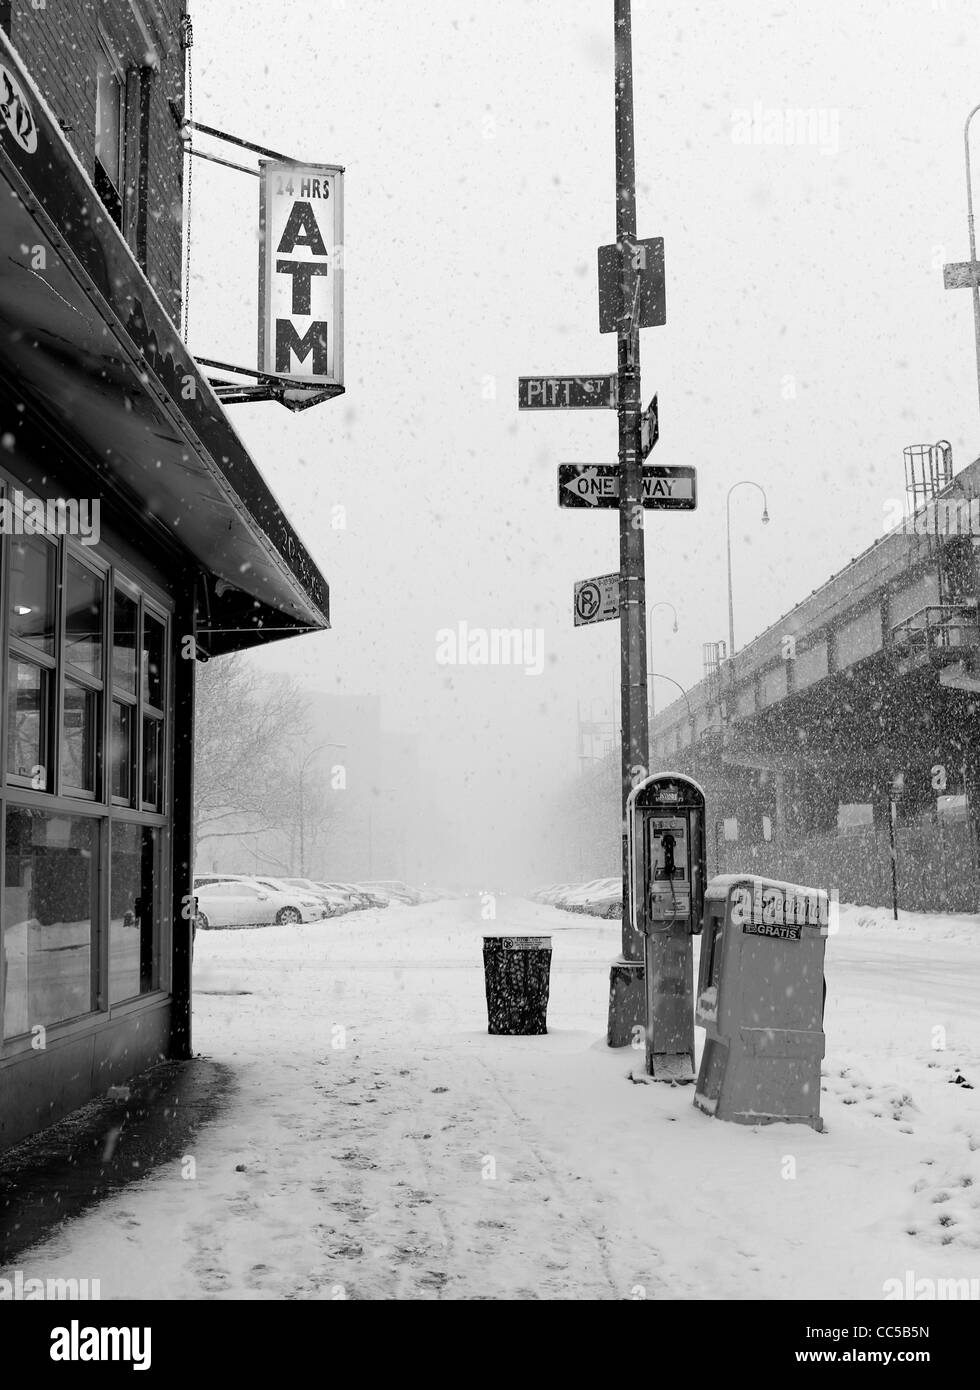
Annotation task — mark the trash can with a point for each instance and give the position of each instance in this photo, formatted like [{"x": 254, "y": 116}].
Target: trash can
[{"x": 517, "y": 972}]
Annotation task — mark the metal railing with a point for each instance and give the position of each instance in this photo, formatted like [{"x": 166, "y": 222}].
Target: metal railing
[{"x": 939, "y": 627}]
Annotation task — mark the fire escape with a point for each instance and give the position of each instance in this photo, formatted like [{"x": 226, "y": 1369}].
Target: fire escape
[{"x": 943, "y": 635}]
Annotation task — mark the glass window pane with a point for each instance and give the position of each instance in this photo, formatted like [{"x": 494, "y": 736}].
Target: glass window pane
[
  {"x": 124, "y": 642},
  {"x": 108, "y": 118},
  {"x": 32, "y": 579},
  {"x": 79, "y": 742},
  {"x": 122, "y": 750},
  {"x": 152, "y": 729},
  {"x": 83, "y": 618},
  {"x": 27, "y": 721},
  {"x": 49, "y": 898},
  {"x": 134, "y": 918},
  {"x": 152, "y": 661}
]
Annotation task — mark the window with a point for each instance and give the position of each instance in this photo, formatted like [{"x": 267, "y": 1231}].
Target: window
[
  {"x": 124, "y": 642},
  {"x": 152, "y": 687},
  {"x": 32, "y": 588},
  {"x": 109, "y": 131},
  {"x": 31, "y": 665},
  {"x": 83, "y": 618},
  {"x": 121, "y": 752},
  {"x": 86, "y": 703},
  {"x": 26, "y": 721},
  {"x": 134, "y": 917},
  {"x": 48, "y": 916},
  {"x": 81, "y": 730}
]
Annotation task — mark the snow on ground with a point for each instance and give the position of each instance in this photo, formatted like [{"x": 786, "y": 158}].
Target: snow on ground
[{"x": 382, "y": 1145}]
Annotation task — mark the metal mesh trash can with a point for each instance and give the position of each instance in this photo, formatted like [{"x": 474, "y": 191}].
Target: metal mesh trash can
[{"x": 517, "y": 973}]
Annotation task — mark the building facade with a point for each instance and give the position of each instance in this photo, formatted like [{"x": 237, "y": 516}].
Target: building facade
[
  {"x": 137, "y": 538},
  {"x": 843, "y": 740}
]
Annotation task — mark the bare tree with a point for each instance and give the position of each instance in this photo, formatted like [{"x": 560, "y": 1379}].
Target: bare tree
[{"x": 245, "y": 729}]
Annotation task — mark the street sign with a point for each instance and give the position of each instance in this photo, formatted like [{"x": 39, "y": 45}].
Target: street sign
[
  {"x": 597, "y": 485},
  {"x": 649, "y": 428},
  {"x": 566, "y": 392},
  {"x": 961, "y": 275},
  {"x": 596, "y": 599},
  {"x": 301, "y": 281},
  {"x": 648, "y": 261}
]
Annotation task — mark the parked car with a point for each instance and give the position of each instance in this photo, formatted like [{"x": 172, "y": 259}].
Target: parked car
[
  {"x": 600, "y": 897},
  {"x": 394, "y": 888},
  {"x": 245, "y": 902},
  {"x": 330, "y": 907},
  {"x": 336, "y": 899}
]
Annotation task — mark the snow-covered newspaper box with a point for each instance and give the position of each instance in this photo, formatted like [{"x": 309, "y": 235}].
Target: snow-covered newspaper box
[
  {"x": 760, "y": 1001},
  {"x": 665, "y": 845}
]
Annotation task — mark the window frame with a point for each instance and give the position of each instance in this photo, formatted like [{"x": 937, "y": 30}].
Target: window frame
[{"x": 100, "y": 805}]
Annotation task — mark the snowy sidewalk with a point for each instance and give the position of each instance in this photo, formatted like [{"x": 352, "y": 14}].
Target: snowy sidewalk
[{"x": 381, "y": 1145}]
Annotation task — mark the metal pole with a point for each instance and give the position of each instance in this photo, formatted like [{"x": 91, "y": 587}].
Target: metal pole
[
  {"x": 731, "y": 608},
  {"x": 744, "y": 482},
  {"x": 891, "y": 843},
  {"x": 973, "y": 239},
  {"x": 633, "y": 690},
  {"x": 651, "y": 608}
]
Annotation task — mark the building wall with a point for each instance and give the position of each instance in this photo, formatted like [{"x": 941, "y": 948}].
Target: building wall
[
  {"x": 60, "y": 42},
  {"x": 936, "y": 865}
]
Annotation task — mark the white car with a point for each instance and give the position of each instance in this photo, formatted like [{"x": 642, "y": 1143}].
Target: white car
[{"x": 249, "y": 902}]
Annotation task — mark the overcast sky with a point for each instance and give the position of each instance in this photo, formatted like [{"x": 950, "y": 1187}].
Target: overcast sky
[{"x": 808, "y": 336}]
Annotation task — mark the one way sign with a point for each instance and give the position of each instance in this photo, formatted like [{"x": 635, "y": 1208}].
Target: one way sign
[{"x": 597, "y": 485}]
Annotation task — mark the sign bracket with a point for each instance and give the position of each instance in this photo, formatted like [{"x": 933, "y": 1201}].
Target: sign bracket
[{"x": 293, "y": 394}]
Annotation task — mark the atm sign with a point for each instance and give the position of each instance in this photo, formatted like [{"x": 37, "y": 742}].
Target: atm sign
[{"x": 301, "y": 234}]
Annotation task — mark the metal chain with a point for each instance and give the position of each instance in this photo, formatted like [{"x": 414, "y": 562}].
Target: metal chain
[{"x": 187, "y": 43}]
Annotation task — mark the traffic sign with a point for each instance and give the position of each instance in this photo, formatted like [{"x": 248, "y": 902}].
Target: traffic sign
[
  {"x": 596, "y": 599},
  {"x": 961, "y": 275},
  {"x": 566, "y": 392},
  {"x": 649, "y": 428},
  {"x": 648, "y": 262},
  {"x": 597, "y": 485}
]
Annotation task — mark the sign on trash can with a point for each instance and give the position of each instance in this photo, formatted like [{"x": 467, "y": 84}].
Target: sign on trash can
[{"x": 517, "y": 974}]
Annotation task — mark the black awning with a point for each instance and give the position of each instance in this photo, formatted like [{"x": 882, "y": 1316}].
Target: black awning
[{"x": 89, "y": 341}]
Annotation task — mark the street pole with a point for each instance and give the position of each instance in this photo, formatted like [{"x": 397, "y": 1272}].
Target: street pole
[
  {"x": 626, "y": 1001},
  {"x": 893, "y": 854}
]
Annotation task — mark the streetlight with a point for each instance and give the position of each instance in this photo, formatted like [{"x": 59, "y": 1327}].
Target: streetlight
[
  {"x": 661, "y": 677},
  {"x": 745, "y": 482},
  {"x": 661, "y": 603}
]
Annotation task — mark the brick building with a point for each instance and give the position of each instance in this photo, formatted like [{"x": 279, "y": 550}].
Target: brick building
[{"x": 136, "y": 537}]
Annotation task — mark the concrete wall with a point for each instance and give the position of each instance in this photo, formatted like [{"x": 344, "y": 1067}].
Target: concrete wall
[
  {"x": 41, "y": 1087},
  {"x": 937, "y": 865}
]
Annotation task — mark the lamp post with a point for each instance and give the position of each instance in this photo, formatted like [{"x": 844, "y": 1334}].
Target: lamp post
[
  {"x": 745, "y": 482},
  {"x": 661, "y": 677},
  {"x": 661, "y": 603}
]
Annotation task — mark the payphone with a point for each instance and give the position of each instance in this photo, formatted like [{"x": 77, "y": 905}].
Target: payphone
[{"x": 666, "y": 846}]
